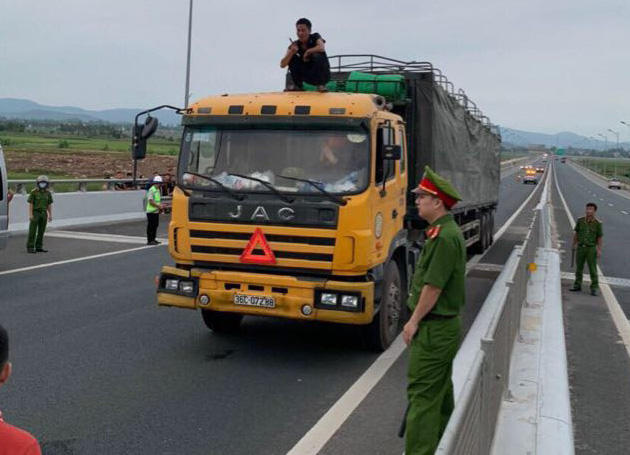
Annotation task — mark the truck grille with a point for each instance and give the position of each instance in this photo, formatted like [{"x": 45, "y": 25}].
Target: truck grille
[{"x": 315, "y": 251}]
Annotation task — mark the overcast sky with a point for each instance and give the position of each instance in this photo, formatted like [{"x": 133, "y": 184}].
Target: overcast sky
[{"x": 537, "y": 65}]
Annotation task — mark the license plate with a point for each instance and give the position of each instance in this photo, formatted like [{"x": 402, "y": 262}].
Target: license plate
[{"x": 254, "y": 300}]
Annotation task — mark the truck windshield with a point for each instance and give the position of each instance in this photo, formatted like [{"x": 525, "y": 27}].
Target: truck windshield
[{"x": 336, "y": 160}]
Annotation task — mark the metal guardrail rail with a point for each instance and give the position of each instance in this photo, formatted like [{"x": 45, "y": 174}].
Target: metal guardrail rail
[
  {"x": 473, "y": 423},
  {"x": 20, "y": 186}
]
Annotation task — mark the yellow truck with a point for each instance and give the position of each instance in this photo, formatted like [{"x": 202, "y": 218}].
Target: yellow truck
[{"x": 297, "y": 204}]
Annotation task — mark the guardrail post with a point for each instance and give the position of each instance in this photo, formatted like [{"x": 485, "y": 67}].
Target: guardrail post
[{"x": 83, "y": 187}]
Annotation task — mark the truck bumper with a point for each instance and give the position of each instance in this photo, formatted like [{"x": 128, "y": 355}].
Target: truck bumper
[{"x": 292, "y": 297}]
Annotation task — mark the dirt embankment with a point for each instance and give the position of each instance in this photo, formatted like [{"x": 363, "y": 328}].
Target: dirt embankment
[{"x": 86, "y": 164}]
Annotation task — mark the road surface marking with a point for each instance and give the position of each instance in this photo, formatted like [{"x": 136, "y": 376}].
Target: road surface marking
[
  {"x": 112, "y": 238},
  {"x": 624, "y": 212},
  {"x": 69, "y": 261},
  {"x": 618, "y": 316},
  {"x": 610, "y": 205},
  {"x": 313, "y": 441}
]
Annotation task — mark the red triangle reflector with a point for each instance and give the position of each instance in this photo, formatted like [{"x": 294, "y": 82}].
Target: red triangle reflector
[{"x": 258, "y": 241}]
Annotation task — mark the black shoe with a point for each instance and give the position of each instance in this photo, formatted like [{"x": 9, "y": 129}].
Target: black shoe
[
  {"x": 594, "y": 292},
  {"x": 575, "y": 288},
  {"x": 30, "y": 250},
  {"x": 41, "y": 250},
  {"x": 153, "y": 242}
]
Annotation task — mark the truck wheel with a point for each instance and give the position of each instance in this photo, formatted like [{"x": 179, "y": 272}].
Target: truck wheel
[
  {"x": 221, "y": 322},
  {"x": 491, "y": 234},
  {"x": 382, "y": 331}
]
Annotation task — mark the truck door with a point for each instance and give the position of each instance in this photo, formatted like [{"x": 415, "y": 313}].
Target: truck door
[
  {"x": 4, "y": 202},
  {"x": 389, "y": 206}
]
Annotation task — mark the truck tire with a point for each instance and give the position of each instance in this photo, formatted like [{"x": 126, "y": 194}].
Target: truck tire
[
  {"x": 221, "y": 322},
  {"x": 385, "y": 326},
  {"x": 491, "y": 230}
]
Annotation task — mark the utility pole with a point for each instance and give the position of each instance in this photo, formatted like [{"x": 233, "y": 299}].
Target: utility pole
[{"x": 187, "y": 94}]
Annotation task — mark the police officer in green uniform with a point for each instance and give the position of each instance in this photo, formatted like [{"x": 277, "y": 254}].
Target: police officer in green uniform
[
  {"x": 433, "y": 332},
  {"x": 588, "y": 239},
  {"x": 40, "y": 210}
]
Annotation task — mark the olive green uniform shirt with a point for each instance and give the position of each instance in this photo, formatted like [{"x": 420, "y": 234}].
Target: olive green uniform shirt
[
  {"x": 442, "y": 264},
  {"x": 40, "y": 199},
  {"x": 588, "y": 231}
]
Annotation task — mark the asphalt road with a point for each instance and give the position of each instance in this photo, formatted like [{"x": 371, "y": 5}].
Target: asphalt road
[
  {"x": 100, "y": 369},
  {"x": 598, "y": 361}
]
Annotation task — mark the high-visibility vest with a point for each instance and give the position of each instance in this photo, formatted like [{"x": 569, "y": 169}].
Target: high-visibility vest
[{"x": 154, "y": 194}]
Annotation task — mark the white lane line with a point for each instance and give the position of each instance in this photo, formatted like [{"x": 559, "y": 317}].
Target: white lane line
[
  {"x": 506, "y": 225},
  {"x": 113, "y": 238},
  {"x": 313, "y": 441},
  {"x": 624, "y": 212},
  {"x": 618, "y": 316},
  {"x": 69, "y": 261},
  {"x": 610, "y": 205}
]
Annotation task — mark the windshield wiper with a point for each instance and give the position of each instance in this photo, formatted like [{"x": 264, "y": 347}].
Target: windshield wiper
[
  {"x": 332, "y": 197},
  {"x": 231, "y": 192},
  {"x": 267, "y": 184}
]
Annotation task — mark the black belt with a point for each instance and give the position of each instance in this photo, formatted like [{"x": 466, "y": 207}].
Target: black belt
[{"x": 437, "y": 317}]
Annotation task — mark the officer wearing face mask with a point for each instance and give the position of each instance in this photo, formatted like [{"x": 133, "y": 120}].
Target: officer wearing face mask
[{"x": 40, "y": 209}]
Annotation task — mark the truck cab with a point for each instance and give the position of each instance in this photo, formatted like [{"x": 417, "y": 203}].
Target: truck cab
[{"x": 291, "y": 205}]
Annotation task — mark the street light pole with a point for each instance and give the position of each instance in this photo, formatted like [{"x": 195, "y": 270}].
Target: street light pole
[
  {"x": 187, "y": 94},
  {"x": 617, "y": 135},
  {"x": 606, "y": 139}
]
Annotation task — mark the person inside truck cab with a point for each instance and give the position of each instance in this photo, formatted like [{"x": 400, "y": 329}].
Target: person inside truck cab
[{"x": 307, "y": 59}]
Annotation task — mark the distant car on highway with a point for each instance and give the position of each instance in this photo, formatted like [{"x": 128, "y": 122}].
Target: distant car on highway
[
  {"x": 540, "y": 170},
  {"x": 614, "y": 183},
  {"x": 563, "y": 160}
]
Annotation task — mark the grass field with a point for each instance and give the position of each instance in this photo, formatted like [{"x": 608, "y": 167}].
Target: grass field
[
  {"x": 608, "y": 168},
  {"x": 59, "y": 143}
]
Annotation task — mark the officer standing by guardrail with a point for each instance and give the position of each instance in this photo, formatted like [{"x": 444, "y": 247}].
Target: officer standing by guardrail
[
  {"x": 40, "y": 210},
  {"x": 433, "y": 332},
  {"x": 588, "y": 239}
]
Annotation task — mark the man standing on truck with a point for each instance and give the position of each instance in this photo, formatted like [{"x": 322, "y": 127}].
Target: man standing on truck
[
  {"x": 307, "y": 59},
  {"x": 436, "y": 300}
]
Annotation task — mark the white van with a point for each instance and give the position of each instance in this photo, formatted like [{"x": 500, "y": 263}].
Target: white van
[{"x": 4, "y": 202}]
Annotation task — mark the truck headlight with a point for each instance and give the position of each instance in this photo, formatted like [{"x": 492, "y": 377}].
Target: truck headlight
[
  {"x": 171, "y": 284},
  {"x": 349, "y": 301},
  {"x": 328, "y": 298},
  {"x": 187, "y": 287}
]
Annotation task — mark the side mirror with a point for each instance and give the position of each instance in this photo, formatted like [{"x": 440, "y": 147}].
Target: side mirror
[
  {"x": 392, "y": 152},
  {"x": 140, "y": 135}
]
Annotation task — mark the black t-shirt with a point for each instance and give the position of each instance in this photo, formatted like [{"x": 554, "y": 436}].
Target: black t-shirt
[{"x": 312, "y": 42}]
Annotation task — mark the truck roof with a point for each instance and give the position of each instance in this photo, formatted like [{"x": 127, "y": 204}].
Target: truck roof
[{"x": 291, "y": 103}]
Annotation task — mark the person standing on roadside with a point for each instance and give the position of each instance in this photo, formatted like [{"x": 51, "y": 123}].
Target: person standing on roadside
[
  {"x": 433, "y": 332},
  {"x": 588, "y": 240},
  {"x": 153, "y": 208},
  {"x": 40, "y": 211},
  {"x": 13, "y": 440}
]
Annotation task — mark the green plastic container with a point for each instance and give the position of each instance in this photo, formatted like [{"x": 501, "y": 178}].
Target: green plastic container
[
  {"x": 391, "y": 86},
  {"x": 332, "y": 86}
]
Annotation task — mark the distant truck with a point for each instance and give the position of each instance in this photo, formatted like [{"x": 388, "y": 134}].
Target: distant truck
[
  {"x": 298, "y": 205},
  {"x": 4, "y": 202},
  {"x": 530, "y": 176}
]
